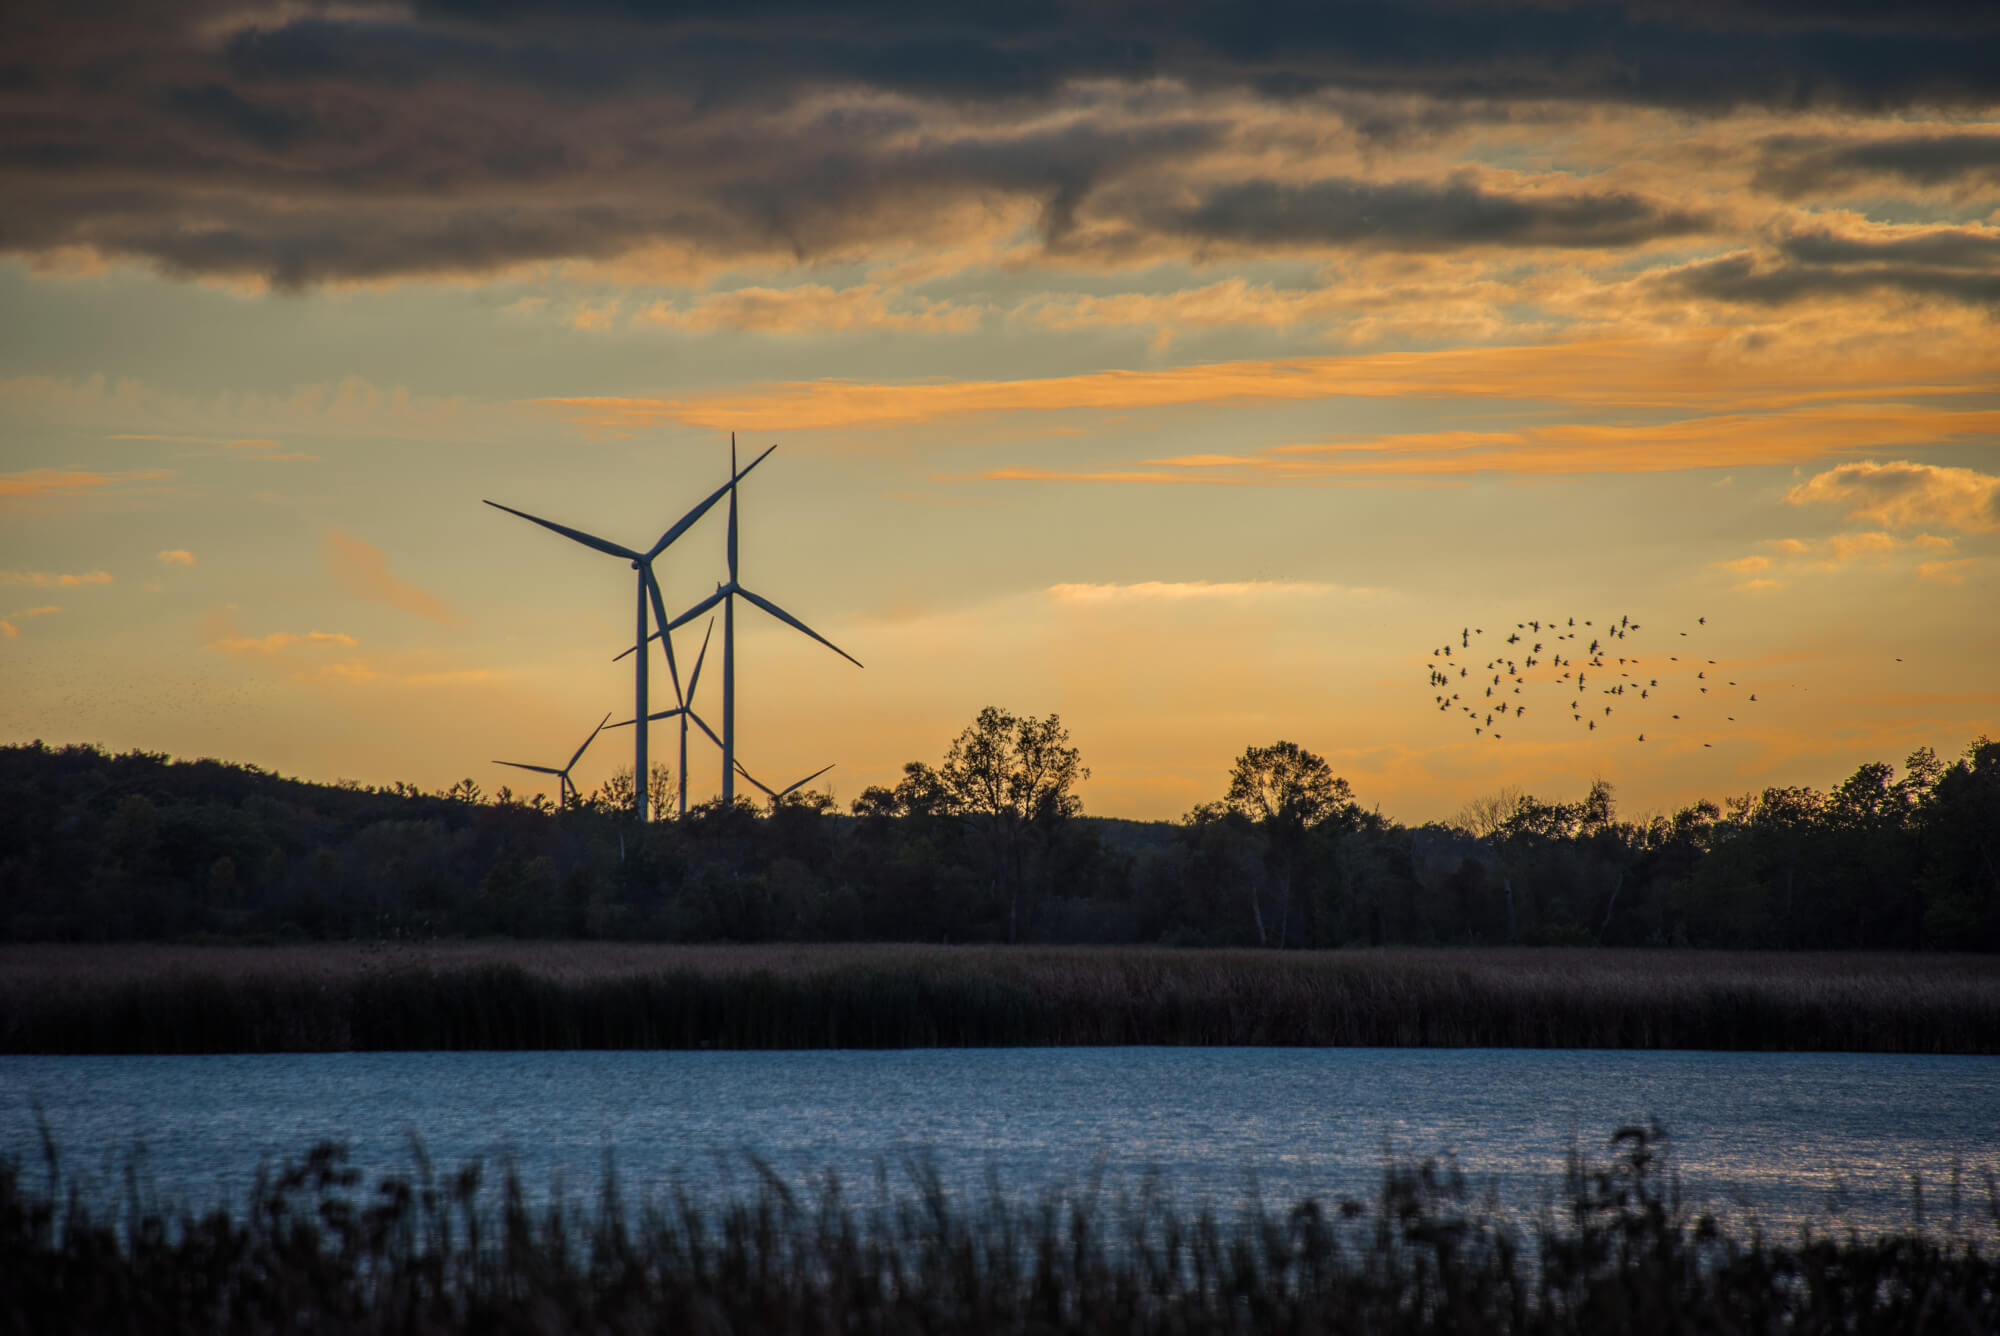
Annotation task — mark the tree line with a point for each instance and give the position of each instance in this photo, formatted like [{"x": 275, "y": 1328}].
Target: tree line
[{"x": 992, "y": 845}]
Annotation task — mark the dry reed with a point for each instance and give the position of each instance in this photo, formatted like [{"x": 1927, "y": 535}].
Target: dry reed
[{"x": 160, "y": 999}]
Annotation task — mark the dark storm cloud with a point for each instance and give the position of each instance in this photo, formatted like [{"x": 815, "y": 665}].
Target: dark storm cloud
[
  {"x": 1950, "y": 264},
  {"x": 1699, "y": 55},
  {"x": 1795, "y": 167},
  {"x": 808, "y": 195},
  {"x": 1417, "y": 216},
  {"x": 326, "y": 143}
]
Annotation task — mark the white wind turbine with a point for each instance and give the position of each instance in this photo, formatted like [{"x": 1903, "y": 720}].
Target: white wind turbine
[
  {"x": 648, "y": 591},
  {"x": 785, "y": 792},
  {"x": 727, "y": 594},
  {"x": 686, "y": 712},
  {"x": 565, "y": 787}
]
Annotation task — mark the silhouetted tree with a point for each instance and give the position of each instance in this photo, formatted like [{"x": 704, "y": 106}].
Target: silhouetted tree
[
  {"x": 1284, "y": 790},
  {"x": 1013, "y": 776}
]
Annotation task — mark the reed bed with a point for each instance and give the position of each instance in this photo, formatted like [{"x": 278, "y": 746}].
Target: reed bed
[
  {"x": 315, "y": 1249},
  {"x": 155, "y": 999}
]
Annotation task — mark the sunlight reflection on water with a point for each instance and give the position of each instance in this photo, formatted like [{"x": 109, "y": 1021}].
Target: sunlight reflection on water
[{"x": 1783, "y": 1135}]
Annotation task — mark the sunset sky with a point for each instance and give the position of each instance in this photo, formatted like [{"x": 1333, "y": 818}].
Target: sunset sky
[{"x": 1191, "y": 370}]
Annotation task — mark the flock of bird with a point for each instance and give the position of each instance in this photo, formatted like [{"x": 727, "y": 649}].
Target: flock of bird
[{"x": 1598, "y": 680}]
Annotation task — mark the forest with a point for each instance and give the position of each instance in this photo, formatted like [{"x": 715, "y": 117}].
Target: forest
[{"x": 992, "y": 845}]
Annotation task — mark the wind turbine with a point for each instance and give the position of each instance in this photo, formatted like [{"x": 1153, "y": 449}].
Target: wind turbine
[
  {"x": 648, "y": 591},
  {"x": 727, "y": 594},
  {"x": 686, "y": 712},
  {"x": 785, "y": 792},
  {"x": 565, "y": 789}
]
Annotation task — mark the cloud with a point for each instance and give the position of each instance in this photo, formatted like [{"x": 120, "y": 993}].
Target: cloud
[
  {"x": 1947, "y": 572},
  {"x": 289, "y": 146},
  {"x": 810, "y": 308},
  {"x": 1847, "y": 547},
  {"x": 1904, "y": 495},
  {"x": 248, "y": 423},
  {"x": 1840, "y": 552},
  {"x": 175, "y": 556},
  {"x": 1798, "y": 166},
  {"x": 67, "y": 482},
  {"x": 256, "y": 448},
  {"x": 1606, "y": 374},
  {"x": 1746, "y": 565},
  {"x": 51, "y": 580},
  {"x": 360, "y": 568},
  {"x": 1955, "y": 264},
  {"x": 11, "y": 631},
  {"x": 1161, "y": 591},
  {"x": 279, "y": 642},
  {"x": 1416, "y": 216}
]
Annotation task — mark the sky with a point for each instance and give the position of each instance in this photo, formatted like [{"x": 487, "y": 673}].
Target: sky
[{"x": 1198, "y": 372}]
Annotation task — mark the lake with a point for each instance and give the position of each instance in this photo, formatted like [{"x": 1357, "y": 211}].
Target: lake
[{"x": 1791, "y": 1137}]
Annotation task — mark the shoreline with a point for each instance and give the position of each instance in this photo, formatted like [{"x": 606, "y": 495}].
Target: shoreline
[{"x": 149, "y": 998}]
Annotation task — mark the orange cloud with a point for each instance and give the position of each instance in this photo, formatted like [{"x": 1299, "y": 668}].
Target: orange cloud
[
  {"x": 1746, "y": 565},
  {"x": 1947, "y": 572},
  {"x": 278, "y": 642},
  {"x": 68, "y": 482},
  {"x": 11, "y": 631},
  {"x": 1695, "y": 374},
  {"x": 1903, "y": 494},
  {"x": 175, "y": 556},
  {"x": 362, "y": 570},
  {"x": 51, "y": 580},
  {"x": 1721, "y": 441}
]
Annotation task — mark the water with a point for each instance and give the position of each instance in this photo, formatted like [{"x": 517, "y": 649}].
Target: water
[{"x": 1790, "y": 1137}]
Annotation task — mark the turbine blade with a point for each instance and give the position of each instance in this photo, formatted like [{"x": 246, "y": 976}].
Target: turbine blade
[
  {"x": 797, "y": 625},
  {"x": 808, "y": 779},
  {"x": 687, "y": 521},
  {"x": 660, "y": 619},
  {"x": 732, "y": 516},
  {"x": 653, "y": 717},
  {"x": 694, "y": 678},
  {"x": 702, "y": 724},
  {"x": 698, "y": 609},
  {"x": 754, "y": 780},
  {"x": 588, "y": 540},
  {"x": 538, "y": 769},
  {"x": 587, "y": 741}
]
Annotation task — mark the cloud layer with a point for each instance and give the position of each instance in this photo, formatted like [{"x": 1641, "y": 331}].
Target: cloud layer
[{"x": 295, "y": 146}]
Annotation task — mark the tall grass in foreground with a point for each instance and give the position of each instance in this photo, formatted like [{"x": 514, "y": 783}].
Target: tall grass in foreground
[
  {"x": 314, "y": 1249},
  {"x": 504, "y": 996}
]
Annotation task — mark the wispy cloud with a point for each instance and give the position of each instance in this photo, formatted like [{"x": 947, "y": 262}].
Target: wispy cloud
[
  {"x": 11, "y": 629},
  {"x": 53, "y": 580},
  {"x": 1157, "y": 591},
  {"x": 34, "y": 483},
  {"x": 362, "y": 570},
  {"x": 811, "y": 308},
  {"x": 278, "y": 642},
  {"x": 1846, "y": 551},
  {"x": 175, "y": 556},
  {"x": 1733, "y": 396}
]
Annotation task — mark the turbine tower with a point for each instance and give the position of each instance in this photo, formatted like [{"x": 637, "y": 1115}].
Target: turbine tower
[
  {"x": 648, "y": 591},
  {"x": 727, "y": 594},
  {"x": 686, "y": 712},
  {"x": 565, "y": 788}
]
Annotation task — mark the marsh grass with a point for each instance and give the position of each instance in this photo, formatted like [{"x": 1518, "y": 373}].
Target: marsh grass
[
  {"x": 154, "y": 999},
  {"x": 314, "y": 1248}
]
